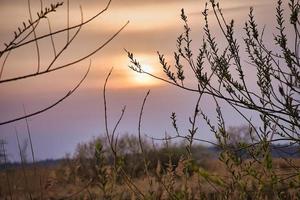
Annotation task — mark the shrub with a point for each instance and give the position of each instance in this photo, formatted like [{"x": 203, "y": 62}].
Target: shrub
[{"x": 220, "y": 74}]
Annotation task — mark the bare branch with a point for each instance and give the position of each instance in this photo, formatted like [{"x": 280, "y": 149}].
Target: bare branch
[
  {"x": 68, "y": 64},
  {"x": 52, "y": 105}
]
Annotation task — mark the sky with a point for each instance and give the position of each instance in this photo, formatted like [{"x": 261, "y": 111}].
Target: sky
[{"x": 154, "y": 26}]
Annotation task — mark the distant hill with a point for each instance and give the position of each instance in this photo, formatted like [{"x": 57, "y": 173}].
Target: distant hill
[
  {"x": 47, "y": 163},
  {"x": 278, "y": 151}
]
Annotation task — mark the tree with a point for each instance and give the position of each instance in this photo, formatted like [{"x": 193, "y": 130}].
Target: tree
[{"x": 275, "y": 99}]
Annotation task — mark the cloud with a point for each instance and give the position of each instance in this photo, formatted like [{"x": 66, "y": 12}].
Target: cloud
[
  {"x": 130, "y": 3},
  {"x": 230, "y": 6}
]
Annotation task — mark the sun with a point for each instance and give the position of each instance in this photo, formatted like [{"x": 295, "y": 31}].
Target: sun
[
  {"x": 144, "y": 79},
  {"x": 133, "y": 79}
]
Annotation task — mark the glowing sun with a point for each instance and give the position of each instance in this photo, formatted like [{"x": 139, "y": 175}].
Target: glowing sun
[{"x": 145, "y": 79}]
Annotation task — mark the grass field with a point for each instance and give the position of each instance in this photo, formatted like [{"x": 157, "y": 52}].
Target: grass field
[{"x": 63, "y": 181}]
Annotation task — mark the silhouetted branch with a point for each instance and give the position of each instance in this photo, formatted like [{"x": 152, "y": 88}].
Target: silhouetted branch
[
  {"x": 14, "y": 46},
  {"x": 68, "y": 64},
  {"x": 114, "y": 141},
  {"x": 52, "y": 105}
]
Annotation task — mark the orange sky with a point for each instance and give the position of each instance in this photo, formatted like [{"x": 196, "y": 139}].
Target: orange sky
[{"x": 154, "y": 25}]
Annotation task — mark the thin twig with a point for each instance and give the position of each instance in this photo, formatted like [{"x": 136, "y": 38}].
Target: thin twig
[
  {"x": 57, "y": 32},
  {"x": 52, "y": 105},
  {"x": 105, "y": 110},
  {"x": 140, "y": 122},
  {"x": 141, "y": 142},
  {"x": 3, "y": 64},
  {"x": 115, "y": 139},
  {"x": 112, "y": 143},
  {"x": 51, "y": 37},
  {"x": 30, "y": 140},
  {"x": 68, "y": 21},
  {"x": 35, "y": 39},
  {"x": 66, "y": 45},
  {"x": 23, "y": 165},
  {"x": 68, "y": 64},
  {"x": 32, "y": 153}
]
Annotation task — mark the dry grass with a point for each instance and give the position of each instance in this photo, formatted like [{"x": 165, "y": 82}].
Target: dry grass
[{"x": 59, "y": 182}]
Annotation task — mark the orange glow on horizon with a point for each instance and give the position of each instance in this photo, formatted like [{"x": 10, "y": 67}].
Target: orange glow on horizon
[{"x": 125, "y": 78}]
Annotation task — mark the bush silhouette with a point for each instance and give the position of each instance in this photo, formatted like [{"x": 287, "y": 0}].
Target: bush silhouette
[{"x": 219, "y": 73}]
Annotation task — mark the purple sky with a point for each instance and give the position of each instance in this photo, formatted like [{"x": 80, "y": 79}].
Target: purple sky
[{"x": 154, "y": 25}]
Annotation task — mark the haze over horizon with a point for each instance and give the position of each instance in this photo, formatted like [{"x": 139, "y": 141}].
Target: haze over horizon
[{"x": 154, "y": 26}]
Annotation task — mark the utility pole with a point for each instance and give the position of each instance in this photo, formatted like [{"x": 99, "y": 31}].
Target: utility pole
[{"x": 2, "y": 152}]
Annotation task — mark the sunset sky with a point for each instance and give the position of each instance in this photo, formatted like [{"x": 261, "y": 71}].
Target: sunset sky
[{"x": 154, "y": 26}]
